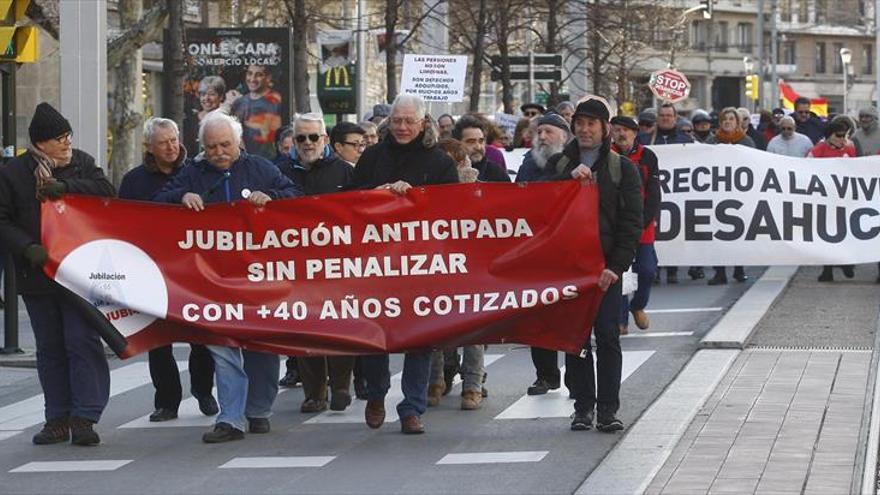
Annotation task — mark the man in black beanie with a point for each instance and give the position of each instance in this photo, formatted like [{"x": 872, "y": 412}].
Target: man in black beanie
[{"x": 71, "y": 364}]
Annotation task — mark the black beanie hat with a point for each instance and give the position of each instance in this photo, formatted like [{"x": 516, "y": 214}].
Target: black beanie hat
[{"x": 47, "y": 123}]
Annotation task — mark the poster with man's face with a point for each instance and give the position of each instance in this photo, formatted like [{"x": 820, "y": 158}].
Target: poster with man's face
[{"x": 244, "y": 72}]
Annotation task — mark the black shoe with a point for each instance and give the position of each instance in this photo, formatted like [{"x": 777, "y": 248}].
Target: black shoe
[
  {"x": 541, "y": 387},
  {"x": 258, "y": 425},
  {"x": 340, "y": 400},
  {"x": 718, "y": 279},
  {"x": 848, "y": 271},
  {"x": 826, "y": 275},
  {"x": 223, "y": 432},
  {"x": 81, "y": 432},
  {"x": 360, "y": 389},
  {"x": 310, "y": 406},
  {"x": 608, "y": 423},
  {"x": 290, "y": 379},
  {"x": 582, "y": 421},
  {"x": 163, "y": 414},
  {"x": 54, "y": 431},
  {"x": 739, "y": 274},
  {"x": 696, "y": 273},
  {"x": 672, "y": 278},
  {"x": 208, "y": 405}
]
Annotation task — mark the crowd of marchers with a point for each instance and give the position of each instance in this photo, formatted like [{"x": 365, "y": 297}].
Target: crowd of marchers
[{"x": 396, "y": 147}]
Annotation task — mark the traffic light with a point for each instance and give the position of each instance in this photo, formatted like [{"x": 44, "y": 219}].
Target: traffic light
[
  {"x": 753, "y": 87},
  {"x": 708, "y": 8},
  {"x": 17, "y": 43}
]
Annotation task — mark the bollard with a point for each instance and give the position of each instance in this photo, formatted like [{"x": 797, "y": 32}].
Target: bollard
[{"x": 10, "y": 314}]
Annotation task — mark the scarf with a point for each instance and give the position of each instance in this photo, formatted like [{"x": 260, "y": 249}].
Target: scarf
[
  {"x": 43, "y": 170},
  {"x": 734, "y": 137}
]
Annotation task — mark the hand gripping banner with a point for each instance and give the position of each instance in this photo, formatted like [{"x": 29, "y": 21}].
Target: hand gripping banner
[{"x": 350, "y": 273}]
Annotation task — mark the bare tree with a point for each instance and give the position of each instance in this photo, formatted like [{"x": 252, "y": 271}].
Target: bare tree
[
  {"x": 393, "y": 20},
  {"x": 175, "y": 62}
]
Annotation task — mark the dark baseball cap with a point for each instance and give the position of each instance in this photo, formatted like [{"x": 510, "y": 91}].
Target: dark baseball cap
[{"x": 594, "y": 108}]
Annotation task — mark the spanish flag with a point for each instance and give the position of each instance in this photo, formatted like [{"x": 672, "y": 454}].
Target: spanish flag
[{"x": 819, "y": 106}]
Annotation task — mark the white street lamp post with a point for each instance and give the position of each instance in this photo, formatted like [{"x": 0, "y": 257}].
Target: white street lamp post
[{"x": 846, "y": 58}]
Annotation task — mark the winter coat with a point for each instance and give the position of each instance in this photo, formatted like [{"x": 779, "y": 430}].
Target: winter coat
[
  {"x": 146, "y": 180},
  {"x": 327, "y": 175},
  {"x": 813, "y": 128},
  {"x": 490, "y": 171},
  {"x": 20, "y": 209},
  {"x": 661, "y": 137},
  {"x": 646, "y": 161},
  {"x": 414, "y": 162},
  {"x": 529, "y": 170},
  {"x": 867, "y": 141}
]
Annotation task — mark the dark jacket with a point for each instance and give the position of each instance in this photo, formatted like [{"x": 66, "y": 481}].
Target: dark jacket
[
  {"x": 813, "y": 128},
  {"x": 529, "y": 170},
  {"x": 659, "y": 136},
  {"x": 388, "y": 161},
  {"x": 146, "y": 180},
  {"x": 251, "y": 172},
  {"x": 649, "y": 172},
  {"x": 620, "y": 206},
  {"x": 757, "y": 138},
  {"x": 490, "y": 171},
  {"x": 20, "y": 209},
  {"x": 327, "y": 175}
]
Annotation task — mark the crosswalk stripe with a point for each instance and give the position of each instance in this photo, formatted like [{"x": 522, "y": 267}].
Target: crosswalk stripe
[
  {"x": 494, "y": 457},
  {"x": 684, "y": 310},
  {"x": 355, "y": 412},
  {"x": 29, "y": 412},
  {"x": 277, "y": 462},
  {"x": 69, "y": 466},
  {"x": 556, "y": 404}
]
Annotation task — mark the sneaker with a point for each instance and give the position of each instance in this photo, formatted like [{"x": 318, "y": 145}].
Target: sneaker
[
  {"x": 374, "y": 413},
  {"x": 54, "y": 431},
  {"x": 826, "y": 275},
  {"x": 848, "y": 271},
  {"x": 223, "y": 432},
  {"x": 412, "y": 425},
  {"x": 641, "y": 319},
  {"x": 313, "y": 406},
  {"x": 622, "y": 329},
  {"x": 471, "y": 400},
  {"x": 608, "y": 423},
  {"x": 435, "y": 392},
  {"x": 81, "y": 432},
  {"x": 340, "y": 400},
  {"x": 208, "y": 405},
  {"x": 163, "y": 414},
  {"x": 582, "y": 421},
  {"x": 541, "y": 387},
  {"x": 258, "y": 425},
  {"x": 290, "y": 379}
]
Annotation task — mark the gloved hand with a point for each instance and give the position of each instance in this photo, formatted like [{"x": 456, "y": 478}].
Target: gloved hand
[
  {"x": 53, "y": 189},
  {"x": 36, "y": 255}
]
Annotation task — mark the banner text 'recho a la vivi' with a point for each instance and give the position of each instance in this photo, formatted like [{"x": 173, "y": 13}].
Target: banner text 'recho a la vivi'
[{"x": 350, "y": 273}]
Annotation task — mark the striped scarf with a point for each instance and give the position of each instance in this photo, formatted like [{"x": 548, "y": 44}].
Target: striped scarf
[{"x": 43, "y": 170}]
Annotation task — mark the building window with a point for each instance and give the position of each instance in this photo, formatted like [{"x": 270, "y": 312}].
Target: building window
[
  {"x": 837, "y": 65},
  {"x": 867, "y": 59},
  {"x": 803, "y": 11},
  {"x": 820, "y": 58},
  {"x": 744, "y": 37},
  {"x": 721, "y": 36},
  {"x": 785, "y": 10},
  {"x": 787, "y": 53},
  {"x": 821, "y": 11},
  {"x": 698, "y": 35}
]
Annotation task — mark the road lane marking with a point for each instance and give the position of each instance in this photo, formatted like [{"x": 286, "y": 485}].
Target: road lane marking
[
  {"x": 494, "y": 457},
  {"x": 277, "y": 462},
  {"x": 684, "y": 310},
  {"x": 555, "y": 403},
  {"x": 70, "y": 466},
  {"x": 640, "y": 334}
]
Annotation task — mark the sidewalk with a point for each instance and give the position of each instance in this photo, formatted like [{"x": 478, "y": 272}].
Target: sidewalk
[{"x": 790, "y": 415}]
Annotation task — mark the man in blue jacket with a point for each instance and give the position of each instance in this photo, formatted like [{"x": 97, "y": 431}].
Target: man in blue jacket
[
  {"x": 808, "y": 123},
  {"x": 247, "y": 381}
]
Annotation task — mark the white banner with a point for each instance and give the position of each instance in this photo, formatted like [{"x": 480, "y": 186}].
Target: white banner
[
  {"x": 734, "y": 205},
  {"x": 438, "y": 78}
]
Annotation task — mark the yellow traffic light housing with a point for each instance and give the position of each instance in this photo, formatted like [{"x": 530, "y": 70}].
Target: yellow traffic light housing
[
  {"x": 753, "y": 87},
  {"x": 17, "y": 43}
]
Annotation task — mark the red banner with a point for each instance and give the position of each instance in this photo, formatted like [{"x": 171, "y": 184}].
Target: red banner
[{"x": 351, "y": 273}]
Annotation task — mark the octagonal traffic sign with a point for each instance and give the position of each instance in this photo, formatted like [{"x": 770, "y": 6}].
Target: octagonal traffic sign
[{"x": 669, "y": 85}]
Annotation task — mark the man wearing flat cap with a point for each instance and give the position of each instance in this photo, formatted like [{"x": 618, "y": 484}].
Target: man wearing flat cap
[
  {"x": 71, "y": 364},
  {"x": 531, "y": 110},
  {"x": 590, "y": 159}
]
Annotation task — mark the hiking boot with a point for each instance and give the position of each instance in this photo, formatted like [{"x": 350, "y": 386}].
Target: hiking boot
[
  {"x": 312, "y": 406},
  {"x": 641, "y": 319},
  {"x": 696, "y": 273},
  {"x": 622, "y": 328},
  {"x": 435, "y": 392},
  {"x": 608, "y": 423},
  {"x": 340, "y": 400},
  {"x": 223, "y": 432},
  {"x": 471, "y": 400},
  {"x": 163, "y": 414},
  {"x": 582, "y": 421},
  {"x": 54, "y": 431},
  {"x": 258, "y": 425},
  {"x": 826, "y": 275},
  {"x": 848, "y": 271},
  {"x": 374, "y": 413},
  {"x": 541, "y": 387},
  {"x": 412, "y": 425},
  {"x": 290, "y": 379},
  {"x": 81, "y": 432},
  {"x": 208, "y": 405}
]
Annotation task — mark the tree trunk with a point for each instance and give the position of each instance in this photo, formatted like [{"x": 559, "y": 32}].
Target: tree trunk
[
  {"x": 126, "y": 117},
  {"x": 479, "y": 49},
  {"x": 503, "y": 28},
  {"x": 301, "y": 57},
  {"x": 550, "y": 46},
  {"x": 174, "y": 62},
  {"x": 391, "y": 18}
]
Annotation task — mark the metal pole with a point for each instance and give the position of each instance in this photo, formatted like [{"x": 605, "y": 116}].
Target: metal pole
[
  {"x": 845, "y": 89},
  {"x": 760, "y": 54},
  {"x": 531, "y": 91},
  {"x": 10, "y": 313},
  {"x": 877, "y": 52},
  {"x": 774, "y": 56},
  {"x": 9, "y": 111}
]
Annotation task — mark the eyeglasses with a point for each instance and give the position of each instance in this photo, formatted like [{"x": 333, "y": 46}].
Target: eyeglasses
[
  {"x": 301, "y": 138},
  {"x": 359, "y": 146},
  {"x": 410, "y": 121},
  {"x": 64, "y": 138},
  {"x": 840, "y": 134}
]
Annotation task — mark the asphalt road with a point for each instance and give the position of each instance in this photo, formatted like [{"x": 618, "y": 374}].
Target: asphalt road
[{"x": 514, "y": 444}]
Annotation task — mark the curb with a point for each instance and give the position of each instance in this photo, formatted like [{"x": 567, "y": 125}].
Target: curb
[{"x": 869, "y": 448}]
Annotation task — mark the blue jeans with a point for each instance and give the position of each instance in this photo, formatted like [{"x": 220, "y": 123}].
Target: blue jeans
[
  {"x": 247, "y": 383},
  {"x": 414, "y": 382},
  {"x": 645, "y": 266},
  {"x": 71, "y": 364}
]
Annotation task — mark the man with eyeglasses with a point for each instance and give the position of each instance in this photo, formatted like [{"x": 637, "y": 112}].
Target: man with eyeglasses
[
  {"x": 531, "y": 110},
  {"x": 408, "y": 156},
  {"x": 789, "y": 142},
  {"x": 347, "y": 142},
  {"x": 71, "y": 365},
  {"x": 808, "y": 123}
]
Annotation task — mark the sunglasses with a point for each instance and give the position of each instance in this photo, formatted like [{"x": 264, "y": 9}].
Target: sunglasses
[
  {"x": 301, "y": 138},
  {"x": 840, "y": 134}
]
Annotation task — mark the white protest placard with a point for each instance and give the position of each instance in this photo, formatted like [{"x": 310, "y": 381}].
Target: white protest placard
[
  {"x": 507, "y": 122},
  {"x": 438, "y": 78}
]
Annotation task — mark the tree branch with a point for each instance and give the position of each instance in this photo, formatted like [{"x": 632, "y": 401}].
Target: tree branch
[{"x": 145, "y": 31}]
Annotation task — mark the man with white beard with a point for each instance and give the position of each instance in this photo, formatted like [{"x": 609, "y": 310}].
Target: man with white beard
[{"x": 553, "y": 134}]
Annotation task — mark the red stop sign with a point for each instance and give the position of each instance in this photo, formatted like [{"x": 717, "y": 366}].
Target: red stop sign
[{"x": 669, "y": 85}]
